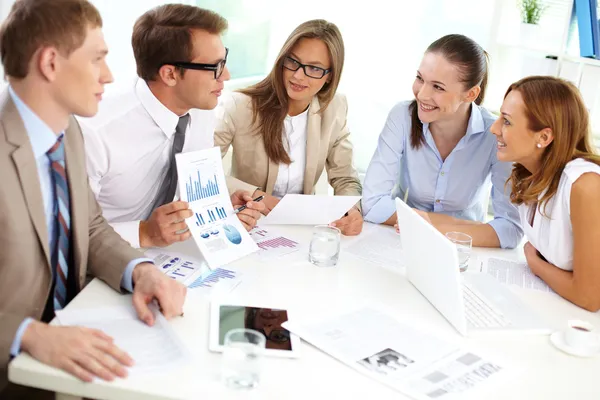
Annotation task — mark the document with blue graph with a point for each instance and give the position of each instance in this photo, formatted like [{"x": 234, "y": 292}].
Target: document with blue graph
[{"x": 216, "y": 230}]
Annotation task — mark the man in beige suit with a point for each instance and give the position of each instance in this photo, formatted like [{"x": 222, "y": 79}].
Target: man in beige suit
[{"x": 51, "y": 229}]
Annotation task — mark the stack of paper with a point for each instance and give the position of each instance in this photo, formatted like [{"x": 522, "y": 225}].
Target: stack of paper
[{"x": 153, "y": 348}]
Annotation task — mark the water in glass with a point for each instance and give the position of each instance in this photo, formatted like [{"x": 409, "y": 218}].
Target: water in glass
[
  {"x": 241, "y": 366},
  {"x": 325, "y": 247}
]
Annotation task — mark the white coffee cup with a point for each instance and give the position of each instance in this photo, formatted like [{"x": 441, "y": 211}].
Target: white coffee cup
[{"x": 581, "y": 335}]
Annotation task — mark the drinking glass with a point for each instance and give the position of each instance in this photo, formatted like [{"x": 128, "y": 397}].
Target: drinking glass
[
  {"x": 463, "y": 244},
  {"x": 324, "y": 248},
  {"x": 243, "y": 350}
]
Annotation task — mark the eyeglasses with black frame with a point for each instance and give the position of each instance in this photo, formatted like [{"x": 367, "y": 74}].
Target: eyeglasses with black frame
[
  {"x": 309, "y": 70},
  {"x": 217, "y": 68}
]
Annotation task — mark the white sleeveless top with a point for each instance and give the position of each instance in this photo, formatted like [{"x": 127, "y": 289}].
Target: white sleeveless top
[{"x": 552, "y": 236}]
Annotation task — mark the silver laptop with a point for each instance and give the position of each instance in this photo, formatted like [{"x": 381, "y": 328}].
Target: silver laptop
[{"x": 469, "y": 301}]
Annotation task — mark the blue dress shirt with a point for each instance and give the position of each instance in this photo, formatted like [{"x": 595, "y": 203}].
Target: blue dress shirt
[
  {"x": 458, "y": 186},
  {"x": 42, "y": 138}
]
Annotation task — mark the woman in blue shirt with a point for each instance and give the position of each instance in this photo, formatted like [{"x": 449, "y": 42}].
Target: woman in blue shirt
[{"x": 439, "y": 149}]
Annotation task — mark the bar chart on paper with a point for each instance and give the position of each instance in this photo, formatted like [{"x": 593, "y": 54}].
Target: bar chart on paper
[
  {"x": 212, "y": 215},
  {"x": 271, "y": 243},
  {"x": 200, "y": 186}
]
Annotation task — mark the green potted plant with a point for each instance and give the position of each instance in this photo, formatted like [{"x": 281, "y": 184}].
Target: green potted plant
[{"x": 531, "y": 12}]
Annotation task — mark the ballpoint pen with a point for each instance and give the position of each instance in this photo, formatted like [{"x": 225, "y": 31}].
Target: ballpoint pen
[{"x": 242, "y": 208}]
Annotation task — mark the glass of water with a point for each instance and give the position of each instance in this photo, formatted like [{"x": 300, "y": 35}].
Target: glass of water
[
  {"x": 243, "y": 350},
  {"x": 463, "y": 244},
  {"x": 324, "y": 248}
]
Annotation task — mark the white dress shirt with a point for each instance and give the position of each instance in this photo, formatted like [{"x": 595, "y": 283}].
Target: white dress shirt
[
  {"x": 552, "y": 235},
  {"x": 290, "y": 178},
  {"x": 128, "y": 145}
]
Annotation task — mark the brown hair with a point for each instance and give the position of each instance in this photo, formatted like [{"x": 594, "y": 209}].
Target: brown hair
[
  {"x": 32, "y": 24},
  {"x": 269, "y": 97},
  {"x": 472, "y": 63},
  {"x": 164, "y": 34},
  {"x": 556, "y": 104}
]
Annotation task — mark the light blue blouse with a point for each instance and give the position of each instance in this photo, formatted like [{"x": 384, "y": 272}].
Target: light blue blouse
[{"x": 458, "y": 186}]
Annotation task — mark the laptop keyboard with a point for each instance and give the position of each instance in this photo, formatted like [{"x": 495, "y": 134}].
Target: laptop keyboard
[{"x": 480, "y": 312}]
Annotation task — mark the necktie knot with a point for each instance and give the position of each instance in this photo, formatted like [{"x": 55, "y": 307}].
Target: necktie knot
[
  {"x": 57, "y": 151},
  {"x": 182, "y": 124}
]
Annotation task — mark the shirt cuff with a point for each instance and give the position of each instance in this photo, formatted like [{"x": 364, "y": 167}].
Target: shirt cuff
[
  {"x": 15, "y": 348},
  {"x": 127, "y": 279},
  {"x": 508, "y": 234},
  {"x": 381, "y": 211},
  {"x": 129, "y": 231}
]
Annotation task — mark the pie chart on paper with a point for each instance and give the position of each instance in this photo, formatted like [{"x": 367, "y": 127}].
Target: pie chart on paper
[{"x": 232, "y": 234}]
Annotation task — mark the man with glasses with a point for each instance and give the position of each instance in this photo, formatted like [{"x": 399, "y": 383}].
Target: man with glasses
[{"x": 131, "y": 143}]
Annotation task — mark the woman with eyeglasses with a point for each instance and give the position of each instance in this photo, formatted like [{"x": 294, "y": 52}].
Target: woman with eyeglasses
[
  {"x": 290, "y": 126},
  {"x": 437, "y": 151}
]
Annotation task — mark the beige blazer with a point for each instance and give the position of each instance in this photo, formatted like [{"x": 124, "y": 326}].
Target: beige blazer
[
  {"x": 327, "y": 146},
  {"x": 25, "y": 270}
]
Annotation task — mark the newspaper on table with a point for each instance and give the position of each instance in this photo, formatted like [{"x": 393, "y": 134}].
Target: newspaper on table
[{"x": 371, "y": 341}]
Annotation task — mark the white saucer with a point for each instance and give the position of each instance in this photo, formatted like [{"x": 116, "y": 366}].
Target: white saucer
[{"x": 558, "y": 340}]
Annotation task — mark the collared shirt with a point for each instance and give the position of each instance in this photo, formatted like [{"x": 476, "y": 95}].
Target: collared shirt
[
  {"x": 290, "y": 178},
  {"x": 42, "y": 138},
  {"x": 128, "y": 145},
  {"x": 458, "y": 186}
]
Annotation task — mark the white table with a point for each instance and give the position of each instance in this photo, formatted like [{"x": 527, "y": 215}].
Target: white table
[{"x": 539, "y": 371}]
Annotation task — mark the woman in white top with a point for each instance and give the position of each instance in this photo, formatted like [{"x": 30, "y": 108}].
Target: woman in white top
[
  {"x": 544, "y": 129},
  {"x": 290, "y": 126}
]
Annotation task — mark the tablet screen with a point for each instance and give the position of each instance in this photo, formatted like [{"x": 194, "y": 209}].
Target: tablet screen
[{"x": 264, "y": 320}]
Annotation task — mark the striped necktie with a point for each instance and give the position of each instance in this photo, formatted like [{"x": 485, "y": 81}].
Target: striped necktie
[{"x": 60, "y": 257}]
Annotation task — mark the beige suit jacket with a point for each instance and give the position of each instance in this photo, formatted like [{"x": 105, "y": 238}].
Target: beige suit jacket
[
  {"x": 327, "y": 146},
  {"x": 25, "y": 270}
]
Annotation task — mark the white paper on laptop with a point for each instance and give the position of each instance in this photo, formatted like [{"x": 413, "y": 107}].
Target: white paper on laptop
[
  {"x": 154, "y": 349},
  {"x": 514, "y": 273},
  {"x": 379, "y": 245},
  {"x": 371, "y": 341},
  {"x": 302, "y": 209},
  {"x": 216, "y": 230}
]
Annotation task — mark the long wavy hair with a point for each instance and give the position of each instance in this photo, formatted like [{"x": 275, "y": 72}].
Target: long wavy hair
[
  {"x": 472, "y": 62},
  {"x": 269, "y": 97},
  {"x": 556, "y": 104}
]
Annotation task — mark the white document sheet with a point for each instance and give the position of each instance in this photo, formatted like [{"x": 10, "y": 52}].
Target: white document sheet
[
  {"x": 272, "y": 244},
  {"x": 515, "y": 273},
  {"x": 178, "y": 266},
  {"x": 216, "y": 230},
  {"x": 379, "y": 245},
  {"x": 155, "y": 349},
  {"x": 374, "y": 343},
  {"x": 302, "y": 209}
]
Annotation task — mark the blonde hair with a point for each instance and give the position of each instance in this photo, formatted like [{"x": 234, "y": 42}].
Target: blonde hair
[
  {"x": 269, "y": 97},
  {"x": 556, "y": 104}
]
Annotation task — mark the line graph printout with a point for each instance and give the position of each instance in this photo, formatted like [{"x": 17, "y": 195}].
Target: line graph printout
[{"x": 216, "y": 230}]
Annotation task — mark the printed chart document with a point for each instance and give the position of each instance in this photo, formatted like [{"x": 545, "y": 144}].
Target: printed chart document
[
  {"x": 374, "y": 343},
  {"x": 194, "y": 273},
  {"x": 178, "y": 266},
  {"x": 216, "y": 230},
  {"x": 154, "y": 349},
  {"x": 379, "y": 245},
  {"x": 303, "y": 209},
  {"x": 271, "y": 243},
  {"x": 515, "y": 273}
]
